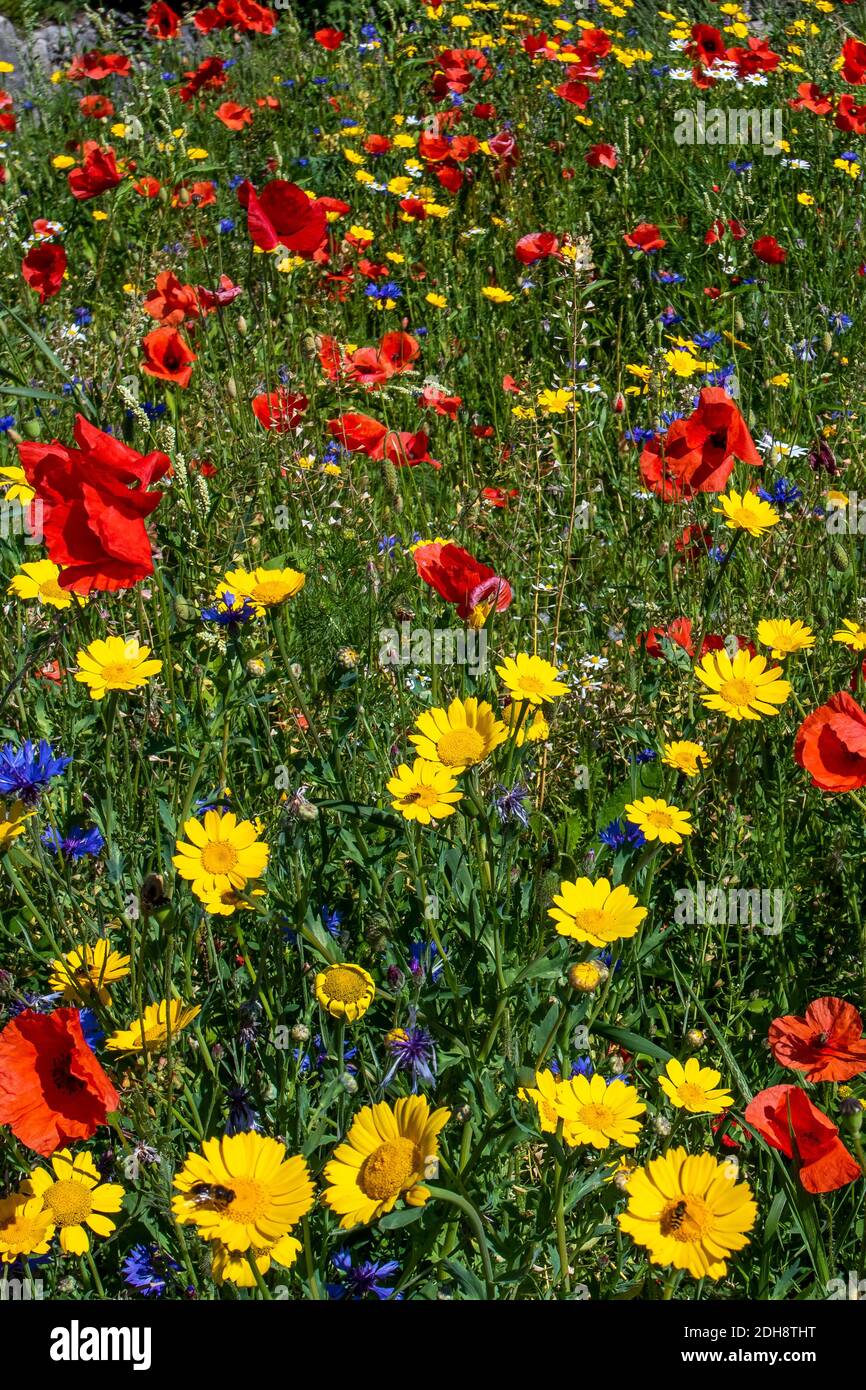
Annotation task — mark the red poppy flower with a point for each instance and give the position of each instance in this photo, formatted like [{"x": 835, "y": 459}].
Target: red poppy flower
[
  {"x": 831, "y": 745},
  {"x": 162, "y": 22},
  {"x": 233, "y": 116},
  {"x": 697, "y": 454},
  {"x": 52, "y": 1089},
  {"x": 810, "y": 98},
  {"x": 171, "y": 302},
  {"x": 43, "y": 268},
  {"x": 168, "y": 356},
  {"x": 283, "y": 215},
  {"x": 210, "y": 74},
  {"x": 757, "y": 57},
  {"x": 768, "y": 250},
  {"x": 707, "y": 44},
  {"x": 361, "y": 434},
  {"x": 98, "y": 66},
  {"x": 97, "y": 106},
  {"x": 97, "y": 173},
  {"x": 575, "y": 93},
  {"x": 432, "y": 398},
  {"x": 462, "y": 580},
  {"x": 225, "y": 293},
  {"x": 679, "y": 631},
  {"x": 601, "y": 157},
  {"x": 854, "y": 62},
  {"x": 850, "y": 116},
  {"x": 536, "y": 246},
  {"x": 827, "y": 1044},
  {"x": 329, "y": 38},
  {"x": 645, "y": 237},
  {"x": 786, "y": 1118},
  {"x": 280, "y": 410},
  {"x": 93, "y": 524},
  {"x": 147, "y": 187}
]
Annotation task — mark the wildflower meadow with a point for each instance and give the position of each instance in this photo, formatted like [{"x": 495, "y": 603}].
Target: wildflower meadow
[{"x": 433, "y": 651}]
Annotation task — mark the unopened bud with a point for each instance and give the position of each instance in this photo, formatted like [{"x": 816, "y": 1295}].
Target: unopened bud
[{"x": 695, "y": 1039}]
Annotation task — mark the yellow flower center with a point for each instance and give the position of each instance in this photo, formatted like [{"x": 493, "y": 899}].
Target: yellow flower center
[
  {"x": 460, "y": 747},
  {"x": 686, "y": 1219},
  {"x": 690, "y": 1094},
  {"x": 593, "y": 920},
  {"x": 595, "y": 1116},
  {"x": 738, "y": 692},
  {"x": 531, "y": 685},
  {"x": 218, "y": 857},
  {"x": 250, "y": 1201},
  {"x": 116, "y": 671},
  {"x": 390, "y": 1169},
  {"x": 662, "y": 820},
  {"x": 421, "y": 795},
  {"x": 269, "y": 591},
  {"x": 69, "y": 1201},
  {"x": 344, "y": 985},
  {"x": 25, "y": 1232}
]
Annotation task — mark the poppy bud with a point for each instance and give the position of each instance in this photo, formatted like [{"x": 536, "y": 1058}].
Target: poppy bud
[
  {"x": 839, "y": 556},
  {"x": 619, "y": 402},
  {"x": 851, "y": 1110},
  {"x": 184, "y": 197},
  {"x": 389, "y": 478},
  {"x": 183, "y": 609},
  {"x": 32, "y": 429},
  {"x": 232, "y": 389},
  {"x": 241, "y": 326},
  {"x": 827, "y": 342}
]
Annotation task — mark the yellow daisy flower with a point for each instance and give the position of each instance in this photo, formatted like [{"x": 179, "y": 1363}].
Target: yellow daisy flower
[
  {"x": 231, "y": 1267},
  {"x": 386, "y": 1155},
  {"x": 39, "y": 580},
  {"x": 115, "y": 663},
  {"x": 161, "y": 1021},
  {"x": 459, "y": 737},
  {"x": 852, "y": 635},
  {"x": 265, "y": 588},
  {"x": 26, "y": 1227},
  {"x": 658, "y": 820},
  {"x": 531, "y": 678},
  {"x": 547, "y": 1097},
  {"x": 346, "y": 991},
  {"x": 747, "y": 513},
  {"x": 225, "y": 853},
  {"x": 13, "y": 824},
  {"x": 424, "y": 792},
  {"x": 18, "y": 489},
  {"x": 76, "y": 1198},
  {"x": 497, "y": 295},
  {"x": 599, "y": 1113},
  {"x": 243, "y": 1191},
  {"x": 783, "y": 636},
  {"x": 523, "y": 728},
  {"x": 689, "y": 1211},
  {"x": 743, "y": 688},
  {"x": 694, "y": 1088},
  {"x": 83, "y": 973},
  {"x": 595, "y": 912},
  {"x": 685, "y": 756}
]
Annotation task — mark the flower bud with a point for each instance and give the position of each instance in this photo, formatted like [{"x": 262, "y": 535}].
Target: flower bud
[
  {"x": 300, "y": 1033},
  {"x": 695, "y": 1039}
]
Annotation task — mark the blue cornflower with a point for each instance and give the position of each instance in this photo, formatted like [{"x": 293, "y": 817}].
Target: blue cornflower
[
  {"x": 740, "y": 166},
  {"x": 93, "y": 1032},
  {"x": 422, "y": 958},
  {"x": 804, "y": 351},
  {"x": 154, "y": 410},
  {"x": 147, "y": 1270},
  {"x": 78, "y": 842},
  {"x": 235, "y": 181},
  {"x": 387, "y": 544},
  {"x": 621, "y": 834},
  {"x": 412, "y": 1050},
  {"x": 639, "y": 435},
  {"x": 226, "y": 224},
  {"x": 669, "y": 316},
  {"x": 364, "y": 1278},
  {"x": 242, "y": 1116},
  {"x": 331, "y": 921},
  {"x": 583, "y": 1067},
  {"x": 840, "y": 323},
  {"x": 706, "y": 341},
  {"x": 646, "y": 755},
  {"x": 667, "y": 277},
  {"x": 26, "y": 771},
  {"x": 320, "y": 1056},
  {"x": 82, "y": 317},
  {"x": 7, "y": 422},
  {"x": 509, "y": 804},
  {"x": 228, "y": 612},
  {"x": 782, "y": 494}
]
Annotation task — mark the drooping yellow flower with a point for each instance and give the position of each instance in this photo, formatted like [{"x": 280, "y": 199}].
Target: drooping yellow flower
[
  {"x": 386, "y": 1155},
  {"x": 232, "y": 1267},
  {"x": 84, "y": 973},
  {"x": 743, "y": 688},
  {"x": 600, "y": 1113},
  {"x": 265, "y": 588},
  {"x": 115, "y": 663},
  {"x": 595, "y": 912},
  {"x": 852, "y": 635},
  {"x": 224, "y": 853},
  {"x": 459, "y": 737},
  {"x": 245, "y": 1192},
  {"x": 525, "y": 725},
  {"x": 694, "y": 1088},
  {"x": 424, "y": 792},
  {"x": 12, "y": 825},
  {"x": 26, "y": 1227},
  {"x": 658, "y": 820},
  {"x": 39, "y": 580},
  {"x": 685, "y": 756},
  {"x": 747, "y": 513},
  {"x": 547, "y": 1095},
  {"x": 346, "y": 991},
  {"x": 531, "y": 678},
  {"x": 784, "y": 637},
  {"x": 689, "y": 1211},
  {"x": 76, "y": 1198},
  {"x": 161, "y": 1021}
]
